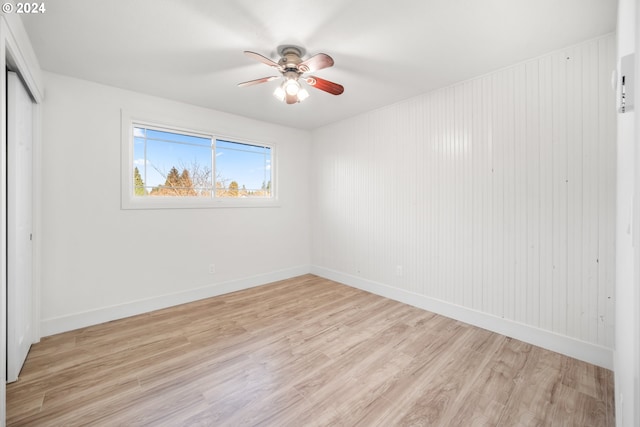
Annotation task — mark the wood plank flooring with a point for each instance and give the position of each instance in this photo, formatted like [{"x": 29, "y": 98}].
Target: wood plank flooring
[{"x": 302, "y": 352}]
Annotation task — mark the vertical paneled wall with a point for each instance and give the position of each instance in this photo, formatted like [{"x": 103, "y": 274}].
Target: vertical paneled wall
[{"x": 496, "y": 194}]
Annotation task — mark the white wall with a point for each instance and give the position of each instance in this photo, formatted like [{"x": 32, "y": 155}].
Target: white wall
[
  {"x": 627, "y": 353},
  {"x": 101, "y": 262},
  {"x": 491, "y": 201}
]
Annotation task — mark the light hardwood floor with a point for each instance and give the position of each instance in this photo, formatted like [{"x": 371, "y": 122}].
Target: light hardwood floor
[{"x": 305, "y": 351}]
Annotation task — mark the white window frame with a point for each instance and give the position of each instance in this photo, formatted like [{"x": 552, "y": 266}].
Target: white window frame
[{"x": 130, "y": 201}]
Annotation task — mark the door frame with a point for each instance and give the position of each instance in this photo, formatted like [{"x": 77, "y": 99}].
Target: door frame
[{"x": 16, "y": 53}]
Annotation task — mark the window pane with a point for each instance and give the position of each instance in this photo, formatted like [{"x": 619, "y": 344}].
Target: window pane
[
  {"x": 242, "y": 170},
  {"x": 171, "y": 164},
  {"x": 139, "y": 165},
  {"x": 177, "y": 137},
  {"x": 178, "y": 169}
]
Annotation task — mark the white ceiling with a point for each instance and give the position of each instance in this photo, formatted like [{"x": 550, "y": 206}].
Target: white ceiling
[{"x": 384, "y": 50}]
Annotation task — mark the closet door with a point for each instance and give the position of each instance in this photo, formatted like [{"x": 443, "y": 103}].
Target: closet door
[{"x": 20, "y": 326}]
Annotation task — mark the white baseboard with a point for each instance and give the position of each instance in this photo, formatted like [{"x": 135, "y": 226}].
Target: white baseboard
[
  {"x": 587, "y": 352},
  {"x": 70, "y": 322}
]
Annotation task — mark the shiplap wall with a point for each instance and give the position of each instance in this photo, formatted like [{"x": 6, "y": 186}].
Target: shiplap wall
[{"x": 496, "y": 194}]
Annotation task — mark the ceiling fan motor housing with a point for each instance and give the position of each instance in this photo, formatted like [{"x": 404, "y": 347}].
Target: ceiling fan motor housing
[{"x": 291, "y": 57}]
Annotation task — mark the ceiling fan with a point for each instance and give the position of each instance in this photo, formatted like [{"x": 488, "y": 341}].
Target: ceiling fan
[{"x": 292, "y": 68}]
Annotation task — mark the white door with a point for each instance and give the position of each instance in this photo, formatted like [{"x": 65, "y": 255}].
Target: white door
[{"x": 19, "y": 225}]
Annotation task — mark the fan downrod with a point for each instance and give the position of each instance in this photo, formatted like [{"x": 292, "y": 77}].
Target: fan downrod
[{"x": 287, "y": 49}]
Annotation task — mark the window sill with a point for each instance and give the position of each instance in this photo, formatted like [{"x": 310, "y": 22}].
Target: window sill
[{"x": 182, "y": 203}]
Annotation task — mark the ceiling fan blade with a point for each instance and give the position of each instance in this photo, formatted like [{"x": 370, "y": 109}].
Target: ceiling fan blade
[
  {"x": 257, "y": 81},
  {"x": 262, "y": 59},
  {"x": 315, "y": 63},
  {"x": 325, "y": 85}
]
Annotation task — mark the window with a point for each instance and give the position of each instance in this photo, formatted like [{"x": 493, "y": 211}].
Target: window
[
  {"x": 178, "y": 168},
  {"x": 242, "y": 170}
]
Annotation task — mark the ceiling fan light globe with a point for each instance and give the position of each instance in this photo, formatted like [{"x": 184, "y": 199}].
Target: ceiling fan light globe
[
  {"x": 279, "y": 93},
  {"x": 292, "y": 87},
  {"x": 302, "y": 95}
]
